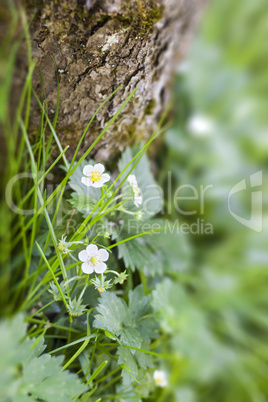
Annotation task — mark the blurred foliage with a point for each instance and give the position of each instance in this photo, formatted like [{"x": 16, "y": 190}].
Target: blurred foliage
[
  {"x": 216, "y": 317},
  {"x": 27, "y": 376}
]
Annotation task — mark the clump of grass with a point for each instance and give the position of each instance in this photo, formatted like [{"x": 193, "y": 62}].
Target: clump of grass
[{"x": 42, "y": 278}]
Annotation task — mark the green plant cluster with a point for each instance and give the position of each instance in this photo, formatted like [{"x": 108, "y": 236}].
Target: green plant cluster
[{"x": 99, "y": 330}]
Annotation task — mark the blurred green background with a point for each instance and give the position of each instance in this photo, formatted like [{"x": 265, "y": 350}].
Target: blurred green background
[{"x": 216, "y": 312}]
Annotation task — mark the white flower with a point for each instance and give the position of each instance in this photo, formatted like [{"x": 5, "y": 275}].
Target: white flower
[
  {"x": 94, "y": 175},
  {"x": 200, "y": 125},
  {"x": 137, "y": 198},
  {"x": 93, "y": 259},
  {"x": 160, "y": 378},
  {"x": 132, "y": 180}
]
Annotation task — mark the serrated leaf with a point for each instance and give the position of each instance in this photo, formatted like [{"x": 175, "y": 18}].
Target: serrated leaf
[
  {"x": 164, "y": 251},
  {"x": 148, "y": 328},
  {"x": 38, "y": 347},
  {"x": 125, "y": 322},
  {"x": 138, "y": 253},
  {"x": 39, "y": 376},
  {"x": 112, "y": 313},
  {"x": 82, "y": 202},
  {"x": 130, "y": 336},
  {"x": 126, "y": 358},
  {"x": 64, "y": 386},
  {"x": 145, "y": 360},
  {"x": 40, "y": 368},
  {"x": 132, "y": 325},
  {"x": 138, "y": 303}
]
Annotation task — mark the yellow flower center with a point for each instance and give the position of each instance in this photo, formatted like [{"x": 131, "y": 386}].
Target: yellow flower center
[
  {"x": 137, "y": 191},
  {"x": 94, "y": 260},
  {"x": 159, "y": 381},
  {"x": 95, "y": 176},
  {"x": 101, "y": 290}
]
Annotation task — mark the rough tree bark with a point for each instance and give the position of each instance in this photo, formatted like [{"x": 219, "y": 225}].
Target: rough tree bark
[{"x": 98, "y": 45}]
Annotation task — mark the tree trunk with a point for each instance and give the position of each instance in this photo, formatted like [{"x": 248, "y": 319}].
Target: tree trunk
[{"x": 98, "y": 45}]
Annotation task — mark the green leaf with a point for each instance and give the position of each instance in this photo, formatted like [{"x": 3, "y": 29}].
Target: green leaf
[
  {"x": 163, "y": 251},
  {"x": 137, "y": 254},
  {"x": 24, "y": 372},
  {"x": 144, "y": 359},
  {"x": 41, "y": 367},
  {"x": 138, "y": 304},
  {"x": 140, "y": 311},
  {"x": 82, "y": 202},
  {"x": 131, "y": 324},
  {"x": 130, "y": 336},
  {"x": 126, "y": 358},
  {"x": 112, "y": 315},
  {"x": 171, "y": 247},
  {"x": 64, "y": 386},
  {"x": 148, "y": 328}
]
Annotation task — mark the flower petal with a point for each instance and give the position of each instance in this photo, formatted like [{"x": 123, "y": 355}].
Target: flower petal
[
  {"x": 132, "y": 180},
  {"x": 98, "y": 184},
  {"x": 87, "y": 268},
  {"x": 92, "y": 249},
  {"x": 105, "y": 177},
  {"x": 137, "y": 200},
  {"x": 86, "y": 181},
  {"x": 100, "y": 268},
  {"x": 99, "y": 168},
  {"x": 87, "y": 170},
  {"x": 83, "y": 256},
  {"x": 103, "y": 254}
]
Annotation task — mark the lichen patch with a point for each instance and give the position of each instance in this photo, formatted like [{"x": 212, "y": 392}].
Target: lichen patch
[{"x": 112, "y": 39}]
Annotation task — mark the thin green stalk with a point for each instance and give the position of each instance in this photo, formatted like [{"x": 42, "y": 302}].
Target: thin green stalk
[
  {"x": 72, "y": 170},
  {"x": 78, "y": 234},
  {"x": 108, "y": 375},
  {"x": 42, "y": 308},
  {"x": 82, "y": 347},
  {"x": 85, "y": 338},
  {"x": 42, "y": 283},
  {"x": 50, "y": 324},
  {"x": 114, "y": 380},
  {"x": 134, "y": 237},
  {"x": 52, "y": 274},
  {"x": 50, "y": 226},
  {"x": 92, "y": 355},
  {"x": 52, "y": 129},
  {"x": 42, "y": 177},
  {"x": 97, "y": 371}
]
